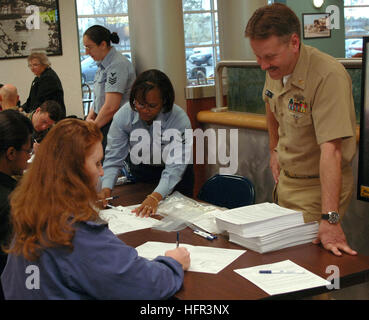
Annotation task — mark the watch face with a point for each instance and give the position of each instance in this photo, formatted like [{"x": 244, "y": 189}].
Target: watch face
[{"x": 334, "y": 217}]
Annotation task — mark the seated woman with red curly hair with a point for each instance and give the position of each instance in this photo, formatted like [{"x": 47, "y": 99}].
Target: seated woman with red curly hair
[{"x": 59, "y": 239}]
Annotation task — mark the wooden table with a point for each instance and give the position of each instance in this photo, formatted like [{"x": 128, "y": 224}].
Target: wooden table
[{"x": 227, "y": 284}]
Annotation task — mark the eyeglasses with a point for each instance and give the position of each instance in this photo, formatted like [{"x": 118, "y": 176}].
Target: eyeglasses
[
  {"x": 144, "y": 106},
  {"x": 34, "y": 65},
  {"x": 89, "y": 47}
]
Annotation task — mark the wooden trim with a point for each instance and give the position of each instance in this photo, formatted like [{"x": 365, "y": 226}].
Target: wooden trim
[
  {"x": 234, "y": 119},
  {"x": 241, "y": 120}
]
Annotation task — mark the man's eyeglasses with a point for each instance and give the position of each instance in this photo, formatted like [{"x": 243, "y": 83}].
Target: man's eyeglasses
[{"x": 143, "y": 106}]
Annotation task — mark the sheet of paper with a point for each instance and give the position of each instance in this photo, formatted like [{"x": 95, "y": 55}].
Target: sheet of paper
[
  {"x": 254, "y": 213},
  {"x": 282, "y": 283},
  {"x": 203, "y": 259},
  {"x": 122, "y": 220}
]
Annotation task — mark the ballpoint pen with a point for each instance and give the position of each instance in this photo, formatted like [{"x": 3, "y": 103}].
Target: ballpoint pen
[
  {"x": 205, "y": 235},
  {"x": 109, "y": 198},
  {"x": 281, "y": 272}
]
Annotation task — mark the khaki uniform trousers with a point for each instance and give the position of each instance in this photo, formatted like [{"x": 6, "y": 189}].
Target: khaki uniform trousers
[{"x": 304, "y": 194}]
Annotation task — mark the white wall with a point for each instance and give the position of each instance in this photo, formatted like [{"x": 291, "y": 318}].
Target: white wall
[{"x": 16, "y": 72}]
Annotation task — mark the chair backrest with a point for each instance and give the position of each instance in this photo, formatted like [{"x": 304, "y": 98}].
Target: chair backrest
[{"x": 229, "y": 191}]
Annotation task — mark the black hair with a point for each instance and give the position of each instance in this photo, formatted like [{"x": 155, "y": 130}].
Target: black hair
[
  {"x": 149, "y": 80},
  {"x": 15, "y": 130},
  {"x": 54, "y": 110},
  {"x": 98, "y": 34}
]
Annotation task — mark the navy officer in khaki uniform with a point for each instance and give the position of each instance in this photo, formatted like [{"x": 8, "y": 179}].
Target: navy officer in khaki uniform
[{"x": 311, "y": 123}]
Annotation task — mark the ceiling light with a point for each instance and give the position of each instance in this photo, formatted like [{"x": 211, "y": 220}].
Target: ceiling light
[{"x": 318, "y": 3}]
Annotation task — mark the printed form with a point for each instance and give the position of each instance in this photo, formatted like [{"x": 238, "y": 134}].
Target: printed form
[
  {"x": 203, "y": 259},
  {"x": 282, "y": 277}
]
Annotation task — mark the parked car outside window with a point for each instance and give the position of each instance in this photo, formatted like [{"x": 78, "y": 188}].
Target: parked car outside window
[{"x": 202, "y": 56}]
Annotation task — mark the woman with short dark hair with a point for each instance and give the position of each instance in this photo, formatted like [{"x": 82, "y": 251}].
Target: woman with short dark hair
[{"x": 162, "y": 155}]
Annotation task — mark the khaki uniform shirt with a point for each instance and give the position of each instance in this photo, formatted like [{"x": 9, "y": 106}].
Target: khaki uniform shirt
[{"x": 314, "y": 106}]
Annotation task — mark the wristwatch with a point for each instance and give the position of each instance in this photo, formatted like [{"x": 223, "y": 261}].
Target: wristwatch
[{"x": 332, "y": 217}]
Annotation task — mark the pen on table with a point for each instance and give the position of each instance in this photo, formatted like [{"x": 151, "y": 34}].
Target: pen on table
[
  {"x": 280, "y": 272},
  {"x": 177, "y": 243},
  {"x": 110, "y": 198},
  {"x": 205, "y": 235}
]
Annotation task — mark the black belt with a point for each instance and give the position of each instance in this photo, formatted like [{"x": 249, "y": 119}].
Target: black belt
[{"x": 295, "y": 176}]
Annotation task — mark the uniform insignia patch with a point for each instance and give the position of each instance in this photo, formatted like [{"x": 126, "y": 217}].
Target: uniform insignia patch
[
  {"x": 269, "y": 93},
  {"x": 297, "y": 105},
  {"x": 112, "y": 80}
]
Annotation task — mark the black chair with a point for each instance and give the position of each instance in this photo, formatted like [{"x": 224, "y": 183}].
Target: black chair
[{"x": 229, "y": 191}]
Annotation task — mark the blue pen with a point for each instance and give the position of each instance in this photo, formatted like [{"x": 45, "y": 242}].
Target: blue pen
[
  {"x": 205, "y": 234},
  {"x": 280, "y": 272},
  {"x": 177, "y": 239}
]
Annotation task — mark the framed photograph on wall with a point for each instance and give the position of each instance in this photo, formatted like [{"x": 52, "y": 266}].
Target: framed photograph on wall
[
  {"x": 316, "y": 25},
  {"x": 363, "y": 171},
  {"x": 27, "y": 26}
]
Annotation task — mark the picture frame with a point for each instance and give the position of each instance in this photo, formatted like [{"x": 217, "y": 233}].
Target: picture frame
[
  {"x": 26, "y": 27},
  {"x": 363, "y": 164},
  {"x": 316, "y": 25}
]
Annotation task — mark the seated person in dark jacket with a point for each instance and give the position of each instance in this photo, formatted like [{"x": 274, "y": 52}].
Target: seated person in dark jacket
[
  {"x": 43, "y": 118},
  {"x": 15, "y": 149},
  {"x": 45, "y": 86}
]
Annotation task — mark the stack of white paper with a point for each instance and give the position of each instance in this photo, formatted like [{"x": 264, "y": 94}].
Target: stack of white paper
[
  {"x": 279, "y": 239},
  {"x": 266, "y": 227}
]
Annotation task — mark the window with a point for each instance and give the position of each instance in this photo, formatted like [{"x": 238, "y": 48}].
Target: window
[
  {"x": 356, "y": 26},
  {"x": 200, "y": 18},
  {"x": 113, "y": 15}
]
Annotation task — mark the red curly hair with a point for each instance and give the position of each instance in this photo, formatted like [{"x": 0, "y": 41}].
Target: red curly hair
[{"x": 56, "y": 191}]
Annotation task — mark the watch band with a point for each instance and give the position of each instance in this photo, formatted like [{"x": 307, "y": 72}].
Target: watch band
[{"x": 332, "y": 217}]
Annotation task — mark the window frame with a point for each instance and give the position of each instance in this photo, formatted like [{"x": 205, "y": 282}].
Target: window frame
[{"x": 214, "y": 42}]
